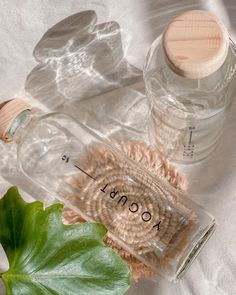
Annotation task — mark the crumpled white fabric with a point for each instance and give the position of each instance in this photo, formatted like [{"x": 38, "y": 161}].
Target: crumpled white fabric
[{"x": 211, "y": 183}]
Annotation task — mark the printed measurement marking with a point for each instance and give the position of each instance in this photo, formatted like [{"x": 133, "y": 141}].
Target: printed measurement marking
[
  {"x": 190, "y": 138},
  {"x": 67, "y": 159},
  {"x": 189, "y": 149},
  {"x": 85, "y": 172}
]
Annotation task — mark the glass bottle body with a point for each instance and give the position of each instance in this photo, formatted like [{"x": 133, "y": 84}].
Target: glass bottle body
[
  {"x": 187, "y": 115},
  {"x": 145, "y": 216}
]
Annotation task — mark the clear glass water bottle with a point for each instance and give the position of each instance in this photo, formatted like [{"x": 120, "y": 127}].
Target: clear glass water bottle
[
  {"x": 145, "y": 215},
  {"x": 190, "y": 81}
]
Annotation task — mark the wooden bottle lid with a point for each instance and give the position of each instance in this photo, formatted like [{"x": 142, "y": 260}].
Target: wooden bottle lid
[
  {"x": 9, "y": 110},
  {"x": 195, "y": 44}
]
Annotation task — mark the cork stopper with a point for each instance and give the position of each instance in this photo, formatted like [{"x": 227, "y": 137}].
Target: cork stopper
[
  {"x": 9, "y": 110},
  {"x": 195, "y": 44}
]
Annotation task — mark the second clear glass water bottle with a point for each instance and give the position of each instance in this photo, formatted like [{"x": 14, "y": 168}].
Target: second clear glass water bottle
[{"x": 190, "y": 82}]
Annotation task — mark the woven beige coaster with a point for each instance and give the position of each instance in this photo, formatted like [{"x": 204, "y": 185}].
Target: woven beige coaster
[{"x": 99, "y": 162}]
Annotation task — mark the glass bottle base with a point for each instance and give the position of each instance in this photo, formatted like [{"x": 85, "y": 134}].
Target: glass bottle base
[{"x": 194, "y": 249}]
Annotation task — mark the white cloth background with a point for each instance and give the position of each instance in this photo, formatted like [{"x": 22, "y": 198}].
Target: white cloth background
[{"x": 211, "y": 183}]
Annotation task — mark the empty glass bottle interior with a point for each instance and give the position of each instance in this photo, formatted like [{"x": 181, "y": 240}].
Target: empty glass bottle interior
[
  {"x": 146, "y": 216},
  {"x": 187, "y": 115}
]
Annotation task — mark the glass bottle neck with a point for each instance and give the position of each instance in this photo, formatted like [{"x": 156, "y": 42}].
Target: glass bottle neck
[{"x": 19, "y": 127}]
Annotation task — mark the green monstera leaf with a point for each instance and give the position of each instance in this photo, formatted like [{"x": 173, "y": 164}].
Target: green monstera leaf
[{"x": 47, "y": 257}]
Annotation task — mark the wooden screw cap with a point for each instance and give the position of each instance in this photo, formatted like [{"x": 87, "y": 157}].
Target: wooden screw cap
[
  {"x": 9, "y": 110},
  {"x": 195, "y": 44}
]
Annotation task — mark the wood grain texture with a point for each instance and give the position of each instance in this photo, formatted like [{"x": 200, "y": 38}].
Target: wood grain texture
[
  {"x": 8, "y": 112},
  {"x": 195, "y": 44}
]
